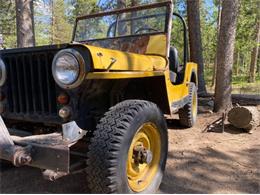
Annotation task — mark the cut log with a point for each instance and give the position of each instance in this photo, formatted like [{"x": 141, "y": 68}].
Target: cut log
[{"x": 244, "y": 117}]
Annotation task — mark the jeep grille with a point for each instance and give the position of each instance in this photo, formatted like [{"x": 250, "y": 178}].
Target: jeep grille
[{"x": 31, "y": 89}]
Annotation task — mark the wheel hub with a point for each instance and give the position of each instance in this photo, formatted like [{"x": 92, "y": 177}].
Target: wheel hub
[{"x": 141, "y": 155}]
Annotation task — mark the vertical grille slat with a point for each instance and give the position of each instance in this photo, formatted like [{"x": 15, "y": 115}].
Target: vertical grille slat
[
  {"x": 26, "y": 84},
  {"x": 34, "y": 99},
  {"x": 13, "y": 85},
  {"x": 52, "y": 84},
  {"x": 48, "y": 82},
  {"x": 31, "y": 89},
  {"x": 18, "y": 84},
  {"x": 9, "y": 90},
  {"x": 40, "y": 83}
]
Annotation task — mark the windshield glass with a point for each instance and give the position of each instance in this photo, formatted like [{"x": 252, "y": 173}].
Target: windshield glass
[{"x": 140, "y": 22}]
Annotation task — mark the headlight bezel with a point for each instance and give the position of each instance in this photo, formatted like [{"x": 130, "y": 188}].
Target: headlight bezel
[
  {"x": 81, "y": 62},
  {"x": 3, "y": 73}
]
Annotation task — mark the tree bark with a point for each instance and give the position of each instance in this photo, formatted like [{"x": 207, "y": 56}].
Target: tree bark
[
  {"x": 122, "y": 29},
  {"x": 215, "y": 60},
  {"x": 258, "y": 65},
  {"x": 25, "y": 23},
  {"x": 196, "y": 54},
  {"x": 121, "y": 4},
  {"x": 246, "y": 118},
  {"x": 225, "y": 53},
  {"x": 133, "y": 23},
  {"x": 254, "y": 55}
]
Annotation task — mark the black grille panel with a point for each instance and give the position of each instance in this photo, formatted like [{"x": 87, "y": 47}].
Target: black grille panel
[{"x": 31, "y": 89}]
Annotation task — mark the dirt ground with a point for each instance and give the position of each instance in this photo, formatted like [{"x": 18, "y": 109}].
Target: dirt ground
[{"x": 198, "y": 162}]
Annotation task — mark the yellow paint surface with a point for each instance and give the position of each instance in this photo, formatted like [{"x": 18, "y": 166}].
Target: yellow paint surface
[
  {"x": 178, "y": 92},
  {"x": 123, "y": 75},
  {"x": 108, "y": 59}
]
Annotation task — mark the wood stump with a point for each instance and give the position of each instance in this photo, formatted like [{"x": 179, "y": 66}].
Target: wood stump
[{"x": 244, "y": 117}]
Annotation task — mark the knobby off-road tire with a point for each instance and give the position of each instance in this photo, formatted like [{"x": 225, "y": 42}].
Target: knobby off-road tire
[
  {"x": 188, "y": 114},
  {"x": 109, "y": 163}
]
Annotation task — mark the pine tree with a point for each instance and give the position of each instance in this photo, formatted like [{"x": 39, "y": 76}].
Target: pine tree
[
  {"x": 25, "y": 23},
  {"x": 196, "y": 54},
  {"x": 225, "y": 51}
]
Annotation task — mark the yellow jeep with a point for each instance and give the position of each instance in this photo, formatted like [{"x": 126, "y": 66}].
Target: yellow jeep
[{"x": 98, "y": 103}]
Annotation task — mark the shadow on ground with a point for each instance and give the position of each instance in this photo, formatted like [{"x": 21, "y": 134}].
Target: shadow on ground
[
  {"x": 30, "y": 180},
  {"x": 212, "y": 171},
  {"x": 206, "y": 171},
  {"x": 197, "y": 163}
]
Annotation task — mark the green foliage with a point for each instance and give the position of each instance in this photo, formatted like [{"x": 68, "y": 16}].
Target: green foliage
[
  {"x": 246, "y": 25},
  {"x": 41, "y": 23},
  {"x": 82, "y": 7},
  {"x": 8, "y": 23},
  {"x": 177, "y": 28},
  {"x": 61, "y": 29},
  {"x": 54, "y": 22},
  {"x": 208, "y": 21},
  {"x": 245, "y": 36}
]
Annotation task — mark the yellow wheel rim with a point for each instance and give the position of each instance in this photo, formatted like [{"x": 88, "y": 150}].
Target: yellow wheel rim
[
  {"x": 194, "y": 105},
  {"x": 141, "y": 174}
]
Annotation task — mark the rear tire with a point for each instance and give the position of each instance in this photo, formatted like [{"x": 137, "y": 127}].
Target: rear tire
[
  {"x": 110, "y": 156},
  {"x": 188, "y": 114}
]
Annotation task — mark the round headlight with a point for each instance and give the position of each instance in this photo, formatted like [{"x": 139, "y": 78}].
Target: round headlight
[
  {"x": 2, "y": 73},
  {"x": 67, "y": 68}
]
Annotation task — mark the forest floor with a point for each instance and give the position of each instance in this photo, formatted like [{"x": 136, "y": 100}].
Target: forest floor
[
  {"x": 212, "y": 162},
  {"x": 198, "y": 162}
]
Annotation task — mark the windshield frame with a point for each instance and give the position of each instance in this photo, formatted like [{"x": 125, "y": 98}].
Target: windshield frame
[{"x": 166, "y": 4}]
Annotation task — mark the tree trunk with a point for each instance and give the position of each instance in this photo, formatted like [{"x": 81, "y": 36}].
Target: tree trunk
[
  {"x": 133, "y": 14},
  {"x": 254, "y": 55},
  {"x": 225, "y": 53},
  {"x": 122, "y": 28},
  {"x": 246, "y": 118},
  {"x": 134, "y": 2},
  {"x": 25, "y": 23},
  {"x": 215, "y": 60},
  {"x": 258, "y": 65},
  {"x": 121, "y": 4},
  {"x": 195, "y": 41}
]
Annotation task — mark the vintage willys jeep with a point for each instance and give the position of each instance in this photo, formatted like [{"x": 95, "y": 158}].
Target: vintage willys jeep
[{"x": 97, "y": 104}]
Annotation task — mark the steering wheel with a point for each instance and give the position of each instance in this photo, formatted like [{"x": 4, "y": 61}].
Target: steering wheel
[{"x": 145, "y": 28}]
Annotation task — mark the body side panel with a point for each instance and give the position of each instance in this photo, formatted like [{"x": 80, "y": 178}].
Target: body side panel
[{"x": 178, "y": 92}]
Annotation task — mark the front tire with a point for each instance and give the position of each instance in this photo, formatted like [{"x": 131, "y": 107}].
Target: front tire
[{"x": 128, "y": 151}]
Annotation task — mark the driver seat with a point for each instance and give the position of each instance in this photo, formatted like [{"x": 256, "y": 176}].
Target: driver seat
[{"x": 175, "y": 66}]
